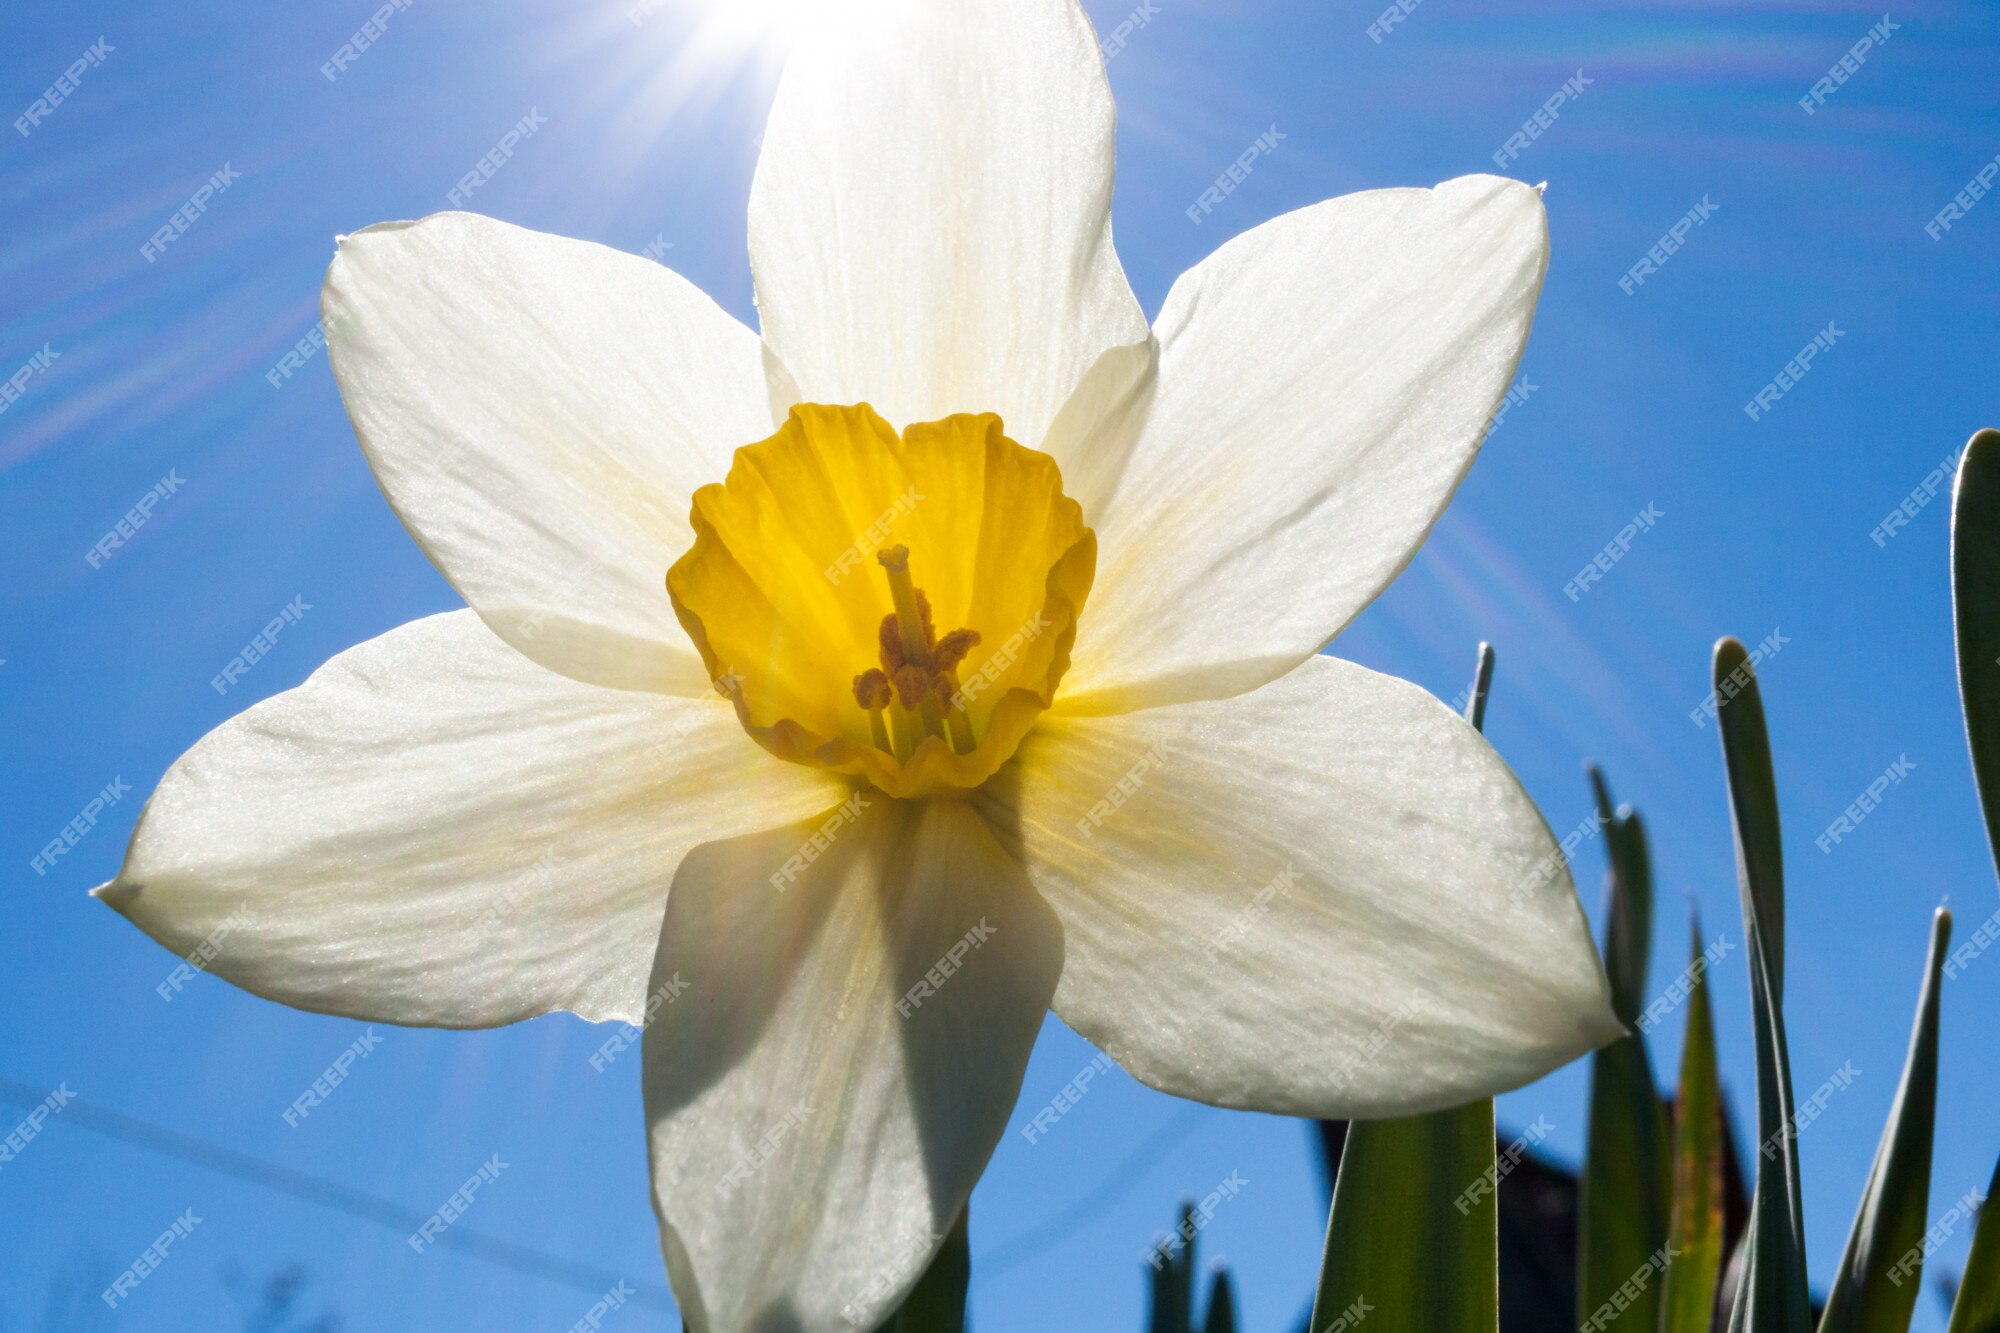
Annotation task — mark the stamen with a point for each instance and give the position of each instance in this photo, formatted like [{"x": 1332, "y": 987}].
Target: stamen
[
  {"x": 890, "y": 728},
  {"x": 902, "y": 743},
  {"x": 890, "y": 641},
  {"x": 952, "y": 649},
  {"x": 911, "y": 686},
  {"x": 917, "y": 665},
  {"x": 956, "y": 721},
  {"x": 871, "y": 691},
  {"x": 909, "y": 628}
]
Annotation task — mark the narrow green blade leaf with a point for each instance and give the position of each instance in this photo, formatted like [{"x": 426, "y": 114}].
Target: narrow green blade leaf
[
  {"x": 1975, "y": 599},
  {"x": 1977, "y": 1309},
  {"x": 1180, "y": 1274},
  {"x": 1221, "y": 1317},
  {"x": 1695, "y": 1236},
  {"x": 1159, "y": 1304},
  {"x": 1753, "y": 800},
  {"x": 1773, "y": 1298},
  {"x": 1624, "y": 1191},
  {"x": 937, "y": 1303},
  {"x": 1881, "y": 1269},
  {"x": 1629, "y": 934},
  {"x": 1171, "y": 1304},
  {"x": 1415, "y": 1224}
]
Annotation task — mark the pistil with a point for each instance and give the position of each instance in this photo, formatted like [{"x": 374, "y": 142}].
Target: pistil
[{"x": 895, "y": 561}]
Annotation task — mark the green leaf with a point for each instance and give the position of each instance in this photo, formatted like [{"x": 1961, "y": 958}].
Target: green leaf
[
  {"x": 1631, "y": 923},
  {"x": 1975, "y": 598},
  {"x": 1977, "y": 1309},
  {"x": 1773, "y": 1296},
  {"x": 1629, "y": 934},
  {"x": 1415, "y": 1226},
  {"x": 1221, "y": 1316},
  {"x": 1625, "y": 1193},
  {"x": 1171, "y": 1309},
  {"x": 1159, "y": 1303},
  {"x": 1753, "y": 801},
  {"x": 1180, "y": 1273},
  {"x": 1626, "y": 1183},
  {"x": 937, "y": 1303},
  {"x": 1695, "y": 1235},
  {"x": 1881, "y": 1269}
]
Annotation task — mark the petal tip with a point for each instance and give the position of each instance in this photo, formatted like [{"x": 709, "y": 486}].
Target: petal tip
[
  {"x": 116, "y": 894},
  {"x": 1604, "y": 1027}
]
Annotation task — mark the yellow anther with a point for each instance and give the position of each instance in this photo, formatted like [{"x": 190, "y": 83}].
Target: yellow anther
[
  {"x": 952, "y": 648},
  {"x": 889, "y": 641},
  {"x": 912, "y": 685},
  {"x": 871, "y": 689}
]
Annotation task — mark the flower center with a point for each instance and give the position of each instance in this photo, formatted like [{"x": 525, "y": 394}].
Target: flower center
[
  {"x": 919, "y": 671},
  {"x": 830, "y": 523}
]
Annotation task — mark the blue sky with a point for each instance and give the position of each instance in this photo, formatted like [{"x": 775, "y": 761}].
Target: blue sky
[{"x": 160, "y": 370}]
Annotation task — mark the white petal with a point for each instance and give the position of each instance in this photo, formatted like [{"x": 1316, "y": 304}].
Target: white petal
[
  {"x": 818, "y": 1110},
  {"x": 1328, "y": 898},
  {"x": 930, "y": 224},
  {"x": 539, "y": 411},
  {"x": 434, "y": 830},
  {"x": 1324, "y": 383}
]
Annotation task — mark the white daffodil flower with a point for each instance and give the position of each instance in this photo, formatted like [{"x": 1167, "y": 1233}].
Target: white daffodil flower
[{"x": 985, "y": 682}]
